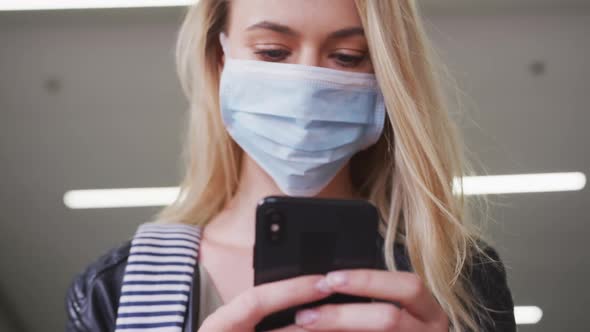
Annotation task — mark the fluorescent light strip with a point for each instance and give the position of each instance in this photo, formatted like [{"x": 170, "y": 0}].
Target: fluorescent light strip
[
  {"x": 521, "y": 183},
  {"x": 474, "y": 185},
  {"x": 527, "y": 314},
  {"x": 87, "y": 4},
  {"x": 118, "y": 198}
]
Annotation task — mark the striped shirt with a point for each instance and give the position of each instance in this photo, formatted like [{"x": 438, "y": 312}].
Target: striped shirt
[{"x": 158, "y": 278}]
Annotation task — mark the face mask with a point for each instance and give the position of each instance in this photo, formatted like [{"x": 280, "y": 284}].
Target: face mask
[{"x": 301, "y": 124}]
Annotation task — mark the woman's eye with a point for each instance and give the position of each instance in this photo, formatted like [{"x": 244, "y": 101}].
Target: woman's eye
[
  {"x": 348, "y": 60},
  {"x": 273, "y": 55}
]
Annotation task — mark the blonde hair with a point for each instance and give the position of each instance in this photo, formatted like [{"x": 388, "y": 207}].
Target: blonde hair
[{"x": 408, "y": 174}]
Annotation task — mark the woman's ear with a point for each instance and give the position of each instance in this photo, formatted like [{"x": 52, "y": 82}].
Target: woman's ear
[
  {"x": 223, "y": 41},
  {"x": 224, "y": 48}
]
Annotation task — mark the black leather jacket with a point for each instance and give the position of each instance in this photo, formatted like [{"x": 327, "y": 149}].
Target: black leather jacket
[{"x": 93, "y": 296}]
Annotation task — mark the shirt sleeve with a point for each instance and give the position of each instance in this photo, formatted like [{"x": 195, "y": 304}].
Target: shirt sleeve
[
  {"x": 93, "y": 296},
  {"x": 490, "y": 286}
]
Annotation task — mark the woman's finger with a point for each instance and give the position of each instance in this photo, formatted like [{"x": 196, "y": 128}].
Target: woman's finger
[
  {"x": 248, "y": 308},
  {"x": 401, "y": 287},
  {"x": 358, "y": 317},
  {"x": 290, "y": 328}
]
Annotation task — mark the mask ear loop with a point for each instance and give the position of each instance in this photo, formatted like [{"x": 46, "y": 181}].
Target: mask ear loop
[{"x": 224, "y": 43}]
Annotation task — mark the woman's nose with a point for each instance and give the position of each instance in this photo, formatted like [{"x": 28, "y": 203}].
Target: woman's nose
[{"x": 309, "y": 56}]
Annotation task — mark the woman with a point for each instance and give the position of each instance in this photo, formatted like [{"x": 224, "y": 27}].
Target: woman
[{"x": 262, "y": 77}]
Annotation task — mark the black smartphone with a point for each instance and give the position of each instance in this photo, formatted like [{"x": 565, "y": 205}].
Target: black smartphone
[{"x": 298, "y": 236}]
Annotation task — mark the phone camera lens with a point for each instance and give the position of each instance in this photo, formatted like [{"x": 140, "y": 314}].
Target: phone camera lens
[
  {"x": 275, "y": 217},
  {"x": 275, "y": 226}
]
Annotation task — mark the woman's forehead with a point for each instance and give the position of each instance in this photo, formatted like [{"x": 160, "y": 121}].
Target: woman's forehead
[{"x": 302, "y": 16}]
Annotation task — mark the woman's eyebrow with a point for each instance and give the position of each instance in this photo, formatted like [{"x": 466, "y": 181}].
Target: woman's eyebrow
[
  {"x": 276, "y": 27},
  {"x": 347, "y": 32},
  {"x": 283, "y": 29}
]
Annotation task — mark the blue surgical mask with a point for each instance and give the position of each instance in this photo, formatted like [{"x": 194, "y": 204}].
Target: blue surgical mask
[{"x": 301, "y": 124}]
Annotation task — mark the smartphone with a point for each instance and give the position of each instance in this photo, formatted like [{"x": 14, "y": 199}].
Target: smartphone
[{"x": 298, "y": 236}]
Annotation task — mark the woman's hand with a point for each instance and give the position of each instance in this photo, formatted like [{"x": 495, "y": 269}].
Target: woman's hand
[
  {"x": 419, "y": 310},
  {"x": 251, "y": 306}
]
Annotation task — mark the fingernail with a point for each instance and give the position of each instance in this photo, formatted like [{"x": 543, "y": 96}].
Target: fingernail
[
  {"x": 336, "y": 279},
  {"x": 323, "y": 285},
  {"x": 306, "y": 316}
]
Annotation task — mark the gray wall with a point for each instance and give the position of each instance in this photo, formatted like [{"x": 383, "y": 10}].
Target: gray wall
[{"x": 89, "y": 99}]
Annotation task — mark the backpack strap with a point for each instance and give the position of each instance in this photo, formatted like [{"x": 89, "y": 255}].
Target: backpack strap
[{"x": 158, "y": 278}]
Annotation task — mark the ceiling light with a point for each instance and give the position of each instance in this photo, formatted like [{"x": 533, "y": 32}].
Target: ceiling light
[
  {"x": 522, "y": 183},
  {"x": 83, "y": 4},
  {"x": 527, "y": 314},
  {"x": 118, "y": 198},
  {"x": 472, "y": 185}
]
